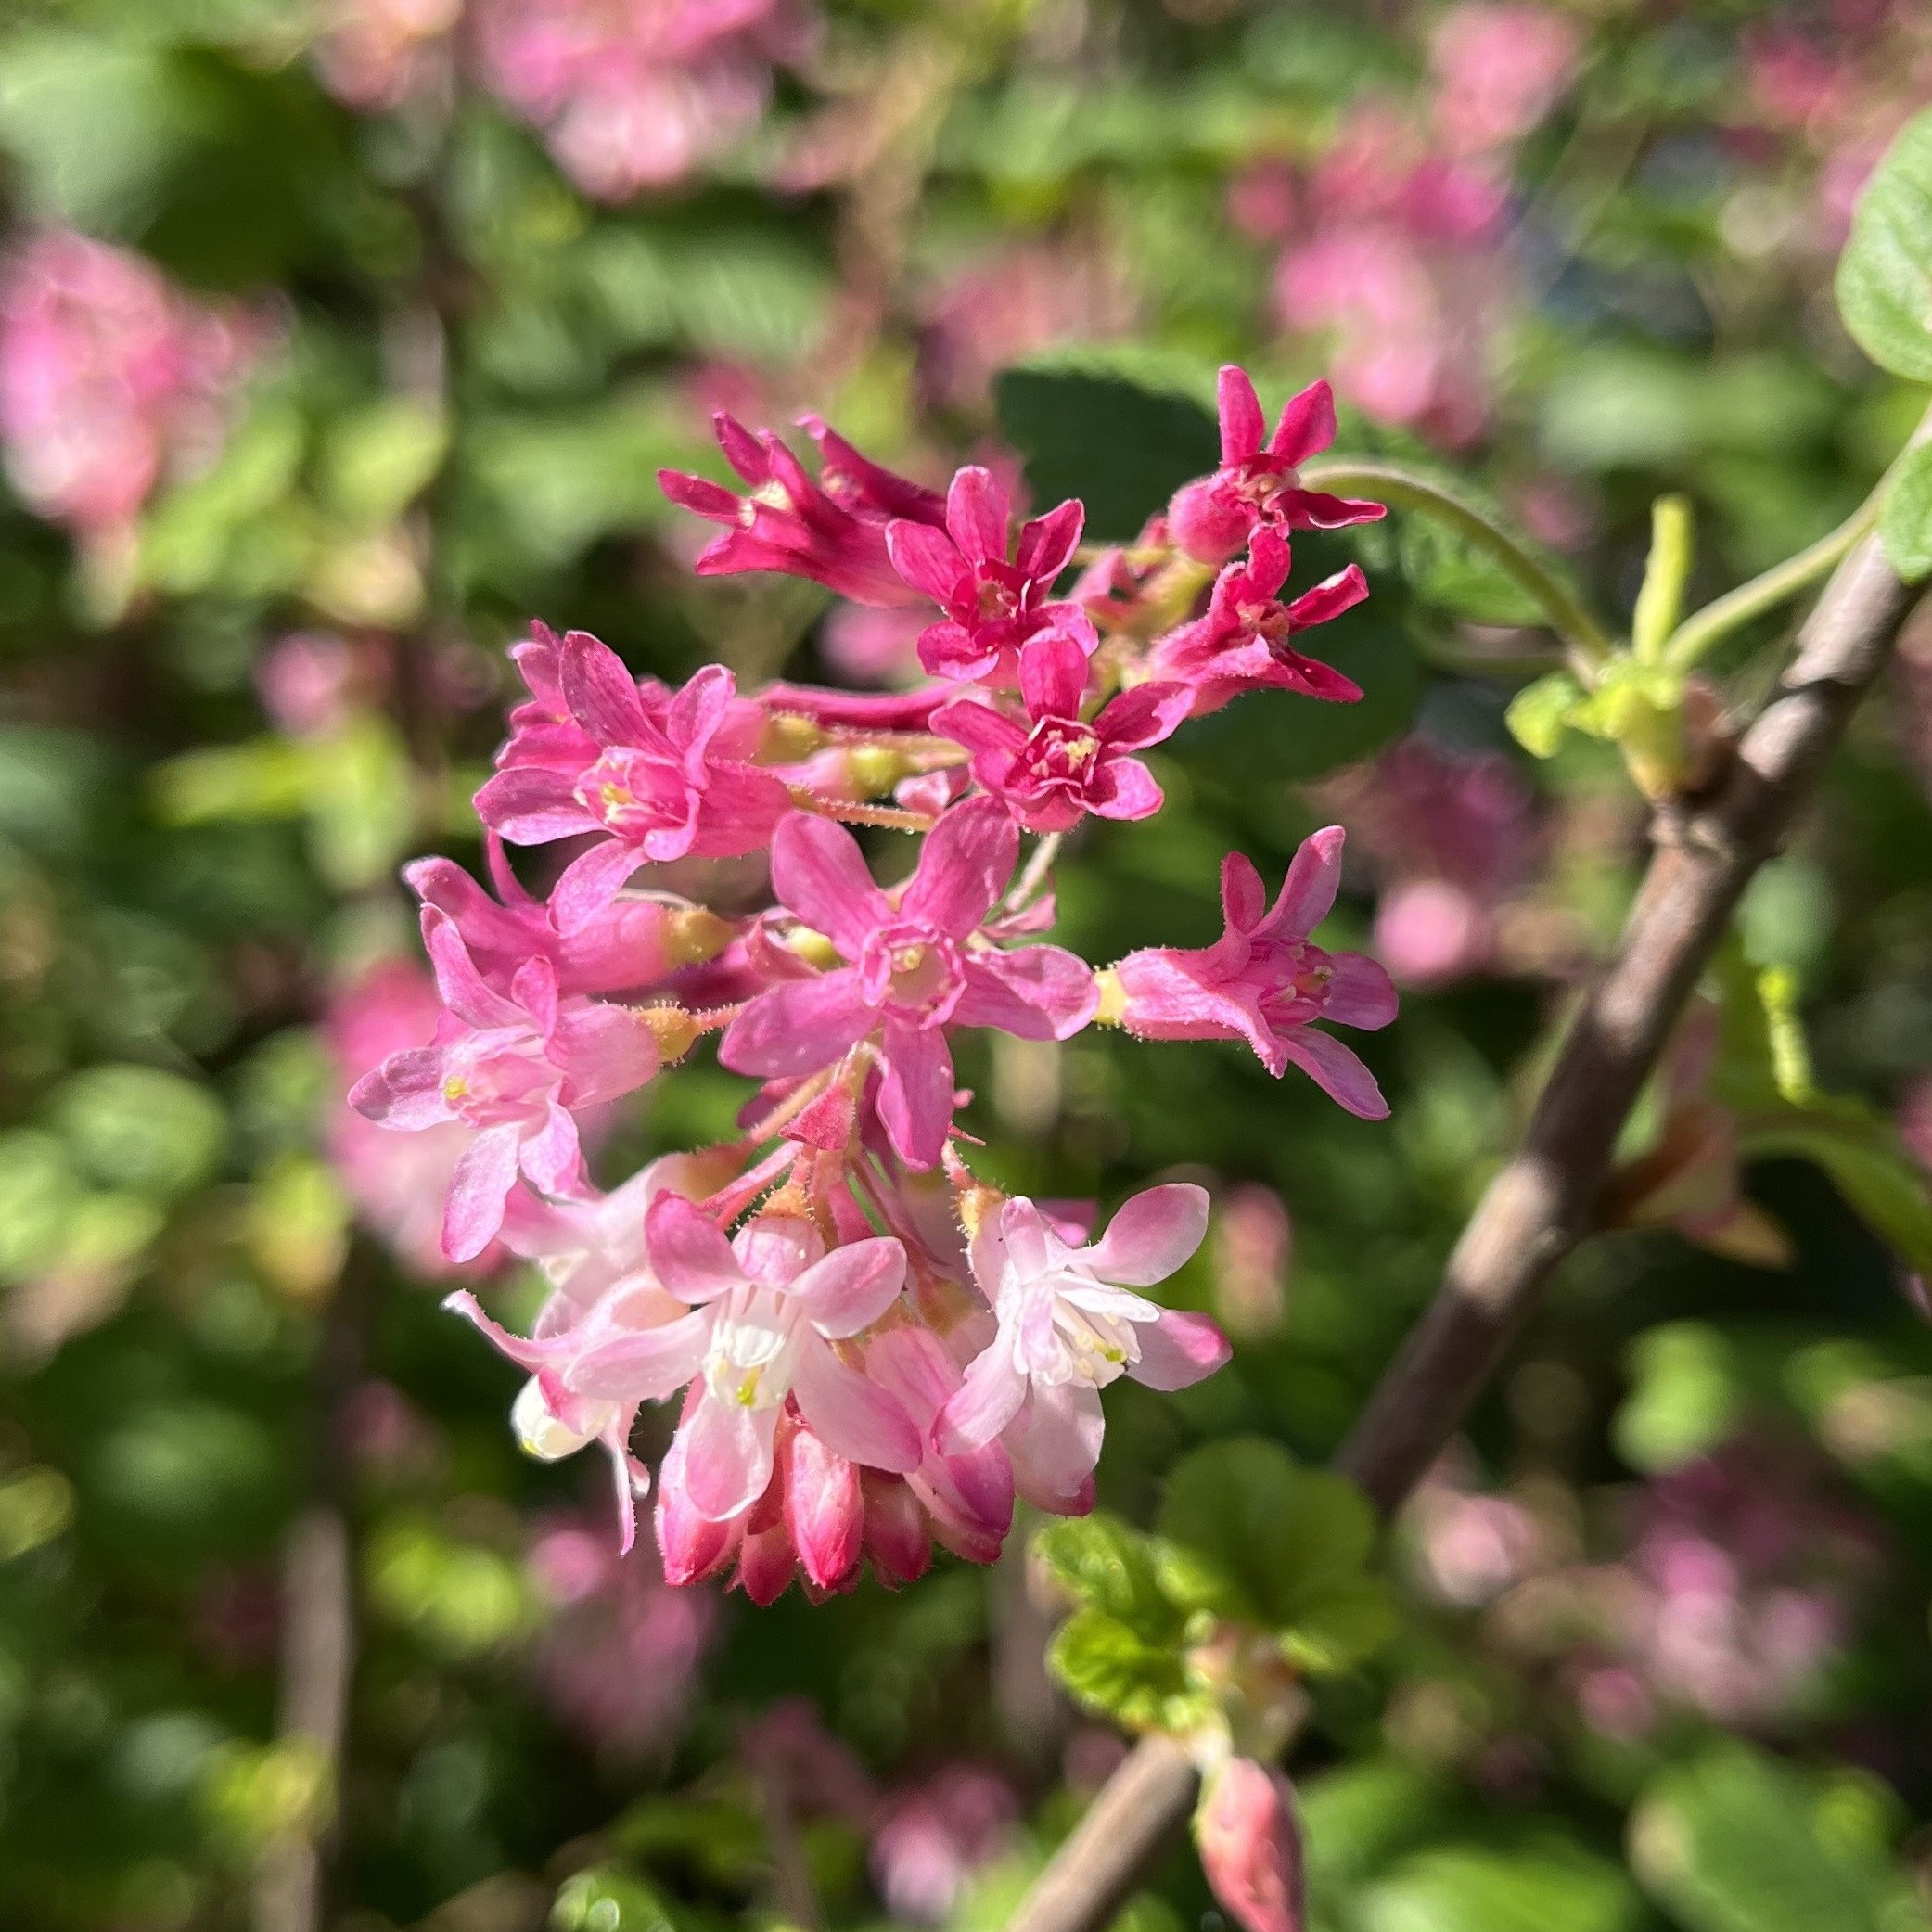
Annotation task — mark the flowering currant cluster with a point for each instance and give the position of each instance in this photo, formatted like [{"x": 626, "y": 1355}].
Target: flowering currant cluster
[{"x": 873, "y": 1349}]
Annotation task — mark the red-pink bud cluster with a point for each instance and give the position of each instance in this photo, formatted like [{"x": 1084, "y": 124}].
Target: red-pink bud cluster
[{"x": 857, "y": 1377}]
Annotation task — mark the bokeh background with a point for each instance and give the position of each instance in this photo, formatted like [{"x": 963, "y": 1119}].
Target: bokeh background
[{"x": 338, "y": 340}]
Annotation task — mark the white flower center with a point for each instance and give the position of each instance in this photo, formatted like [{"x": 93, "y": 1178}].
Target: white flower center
[{"x": 753, "y": 1351}]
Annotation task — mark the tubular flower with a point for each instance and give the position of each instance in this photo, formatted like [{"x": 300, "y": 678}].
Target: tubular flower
[
  {"x": 992, "y": 605},
  {"x": 1256, "y": 482},
  {"x": 510, "y": 1066},
  {"x": 1070, "y": 1322},
  {"x": 1057, "y": 767},
  {"x": 915, "y": 962},
  {"x": 833, "y": 532},
  {"x": 766, "y": 1309},
  {"x": 1243, "y": 642},
  {"x": 1265, "y": 982},
  {"x": 664, "y": 783}
]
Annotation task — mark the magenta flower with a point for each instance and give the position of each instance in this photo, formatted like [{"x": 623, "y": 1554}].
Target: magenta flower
[
  {"x": 663, "y": 785},
  {"x": 1250, "y": 1845},
  {"x": 1264, "y": 982},
  {"x": 833, "y": 532},
  {"x": 1057, "y": 767},
  {"x": 1257, "y": 483},
  {"x": 766, "y": 1309},
  {"x": 1069, "y": 1323},
  {"x": 1243, "y": 641},
  {"x": 992, "y": 605},
  {"x": 632, "y": 944},
  {"x": 510, "y": 1066},
  {"x": 917, "y": 961}
]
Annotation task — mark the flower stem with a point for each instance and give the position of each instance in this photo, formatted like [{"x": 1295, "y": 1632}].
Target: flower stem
[
  {"x": 1588, "y": 644},
  {"x": 1734, "y": 608}
]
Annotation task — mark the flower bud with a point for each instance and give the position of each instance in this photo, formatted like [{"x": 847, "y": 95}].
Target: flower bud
[
  {"x": 1250, "y": 1845},
  {"x": 896, "y": 1537},
  {"x": 823, "y": 1510}
]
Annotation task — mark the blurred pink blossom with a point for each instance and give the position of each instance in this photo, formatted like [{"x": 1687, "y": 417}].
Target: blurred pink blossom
[
  {"x": 110, "y": 379},
  {"x": 1254, "y": 1249},
  {"x": 1499, "y": 70},
  {"x": 618, "y": 1658},
  {"x": 931, "y": 1837},
  {"x": 377, "y": 54},
  {"x": 635, "y": 94}
]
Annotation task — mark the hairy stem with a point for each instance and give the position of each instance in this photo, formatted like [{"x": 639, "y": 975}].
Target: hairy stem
[
  {"x": 1541, "y": 1205},
  {"x": 1585, "y": 639}
]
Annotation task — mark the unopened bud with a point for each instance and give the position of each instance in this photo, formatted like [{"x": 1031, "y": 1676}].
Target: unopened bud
[{"x": 1250, "y": 1845}]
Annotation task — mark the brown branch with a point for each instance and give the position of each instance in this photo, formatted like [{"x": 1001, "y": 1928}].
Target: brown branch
[{"x": 1537, "y": 1208}]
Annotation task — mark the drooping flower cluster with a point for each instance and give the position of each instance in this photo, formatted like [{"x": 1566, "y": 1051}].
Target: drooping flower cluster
[
  {"x": 869, "y": 1351},
  {"x": 109, "y": 379}
]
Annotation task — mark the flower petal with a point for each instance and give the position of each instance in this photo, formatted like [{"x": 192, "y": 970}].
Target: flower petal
[
  {"x": 964, "y": 866},
  {"x": 1150, "y": 1236},
  {"x": 688, "y": 1251},
  {"x": 1309, "y": 891},
  {"x": 1178, "y": 1351},
  {"x": 1047, "y": 541},
  {"x": 482, "y": 1179},
  {"x": 978, "y": 510},
  {"x": 853, "y": 1286},
  {"x": 727, "y": 1456},
  {"x": 405, "y": 1091},
  {"x": 798, "y": 1027},
  {"x": 1038, "y": 993},
  {"x": 1242, "y": 424},
  {"x": 1053, "y": 675},
  {"x": 819, "y": 873},
  {"x": 852, "y": 1418},
  {"x": 1337, "y": 1069},
  {"x": 1306, "y": 425},
  {"x": 1055, "y": 1442},
  {"x": 647, "y": 1366},
  {"x": 915, "y": 1097},
  {"x": 983, "y": 1404},
  {"x": 926, "y": 560},
  {"x": 1361, "y": 994},
  {"x": 591, "y": 881},
  {"x": 601, "y": 694}
]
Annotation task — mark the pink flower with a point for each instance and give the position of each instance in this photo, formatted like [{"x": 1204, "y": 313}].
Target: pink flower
[
  {"x": 1057, "y": 767},
  {"x": 664, "y": 784},
  {"x": 1250, "y": 1845},
  {"x": 1256, "y": 482},
  {"x": 634, "y": 93},
  {"x": 377, "y": 54},
  {"x": 631, "y": 945},
  {"x": 833, "y": 532},
  {"x": 766, "y": 1309},
  {"x": 992, "y": 605},
  {"x": 917, "y": 961},
  {"x": 930, "y": 1839},
  {"x": 1499, "y": 70},
  {"x": 398, "y": 1188},
  {"x": 1069, "y": 1323},
  {"x": 510, "y": 1066},
  {"x": 1263, "y": 981},
  {"x": 108, "y": 377},
  {"x": 1243, "y": 642}
]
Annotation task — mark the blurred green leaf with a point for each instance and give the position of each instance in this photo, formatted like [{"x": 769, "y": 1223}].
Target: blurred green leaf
[
  {"x": 1685, "y": 1399},
  {"x": 1885, "y": 274},
  {"x": 142, "y": 1129},
  {"x": 1115, "y": 1671},
  {"x": 608, "y": 1899},
  {"x": 1468, "y": 1890},
  {"x": 38, "y": 1191},
  {"x": 1107, "y": 1566},
  {"x": 1734, "y": 1841},
  {"x": 377, "y": 461},
  {"x": 1539, "y": 712},
  {"x": 1905, "y": 519}
]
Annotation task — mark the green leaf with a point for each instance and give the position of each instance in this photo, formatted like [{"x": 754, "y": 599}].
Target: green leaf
[
  {"x": 378, "y": 460},
  {"x": 1905, "y": 519},
  {"x": 608, "y": 1899},
  {"x": 1540, "y": 713},
  {"x": 1458, "y": 1890},
  {"x": 1446, "y": 569},
  {"x": 1737, "y": 1842},
  {"x": 1359, "y": 1817},
  {"x": 142, "y": 1129},
  {"x": 1686, "y": 1398},
  {"x": 1885, "y": 274},
  {"x": 1107, "y": 1566},
  {"x": 1249, "y": 1535},
  {"x": 1089, "y": 430},
  {"x": 1116, "y": 1672}
]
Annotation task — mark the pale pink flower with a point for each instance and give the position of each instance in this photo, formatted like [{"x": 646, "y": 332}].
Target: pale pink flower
[
  {"x": 665, "y": 782},
  {"x": 398, "y": 1186},
  {"x": 931, "y": 1838},
  {"x": 1259, "y": 482},
  {"x": 307, "y": 683},
  {"x": 1254, "y": 1250},
  {"x": 767, "y": 1308},
  {"x": 509, "y": 1067},
  {"x": 872, "y": 644},
  {"x": 108, "y": 377},
  {"x": 1070, "y": 1322},
  {"x": 1243, "y": 642},
  {"x": 1266, "y": 982},
  {"x": 1250, "y": 1845},
  {"x": 634, "y": 93},
  {"x": 832, "y": 531},
  {"x": 1499, "y": 71},
  {"x": 917, "y": 961},
  {"x": 377, "y": 54},
  {"x": 618, "y": 1660},
  {"x": 993, "y": 604},
  {"x": 1056, "y": 766}
]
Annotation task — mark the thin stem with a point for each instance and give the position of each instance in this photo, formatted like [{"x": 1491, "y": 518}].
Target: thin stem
[
  {"x": 1588, "y": 642},
  {"x": 1736, "y": 608},
  {"x": 1039, "y": 864}
]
